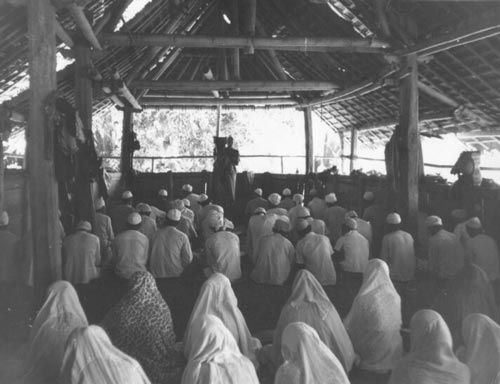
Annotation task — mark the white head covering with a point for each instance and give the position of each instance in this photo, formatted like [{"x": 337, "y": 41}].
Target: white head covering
[
  {"x": 143, "y": 208},
  {"x": 258, "y": 191},
  {"x": 202, "y": 198},
  {"x": 214, "y": 220},
  {"x": 179, "y": 204},
  {"x": 303, "y": 212},
  {"x": 214, "y": 356},
  {"x": 59, "y": 315},
  {"x": 4, "y": 218},
  {"x": 331, "y": 198},
  {"x": 174, "y": 214},
  {"x": 287, "y": 192},
  {"x": 433, "y": 221},
  {"x": 303, "y": 351},
  {"x": 431, "y": 358},
  {"x": 474, "y": 223},
  {"x": 302, "y": 224},
  {"x": 259, "y": 210},
  {"x": 134, "y": 219},
  {"x": 127, "y": 195},
  {"x": 186, "y": 202},
  {"x": 393, "y": 218},
  {"x": 163, "y": 193},
  {"x": 84, "y": 226},
  {"x": 187, "y": 188},
  {"x": 298, "y": 198},
  {"x": 274, "y": 198},
  {"x": 90, "y": 358},
  {"x": 217, "y": 298},
  {"x": 99, "y": 204},
  {"x": 351, "y": 223}
]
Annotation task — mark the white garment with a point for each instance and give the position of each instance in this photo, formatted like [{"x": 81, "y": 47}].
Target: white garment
[
  {"x": 130, "y": 253},
  {"x": 317, "y": 226},
  {"x": 90, "y": 358},
  {"x": 222, "y": 251},
  {"x": 10, "y": 257},
  {"x": 193, "y": 200},
  {"x": 157, "y": 214},
  {"x": 318, "y": 208},
  {"x": 308, "y": 303},
  {"x": 365, "y": 228},
  {"x": 315, "y": 251},
  {"x": 307, "y": 359},
  {"x": 104, "y": 229},
  {"x": 214, "y": 357},
  {"x": 217, "y": 298},
  {"x": 356, "y": 251},
  {"x": 188, "y": 214},
  {"x": 446, "y": 255},
  {"x": 275, "y": 259},
  {"x": 277, "y": 211},
  {"x": 374, "y": 321},
  {"x": 170, "y": 253},
  {"x": 255, "y": 230},
  {"x": 148, "y": 227},
  {"x": 483, "y": 251},
  {"x": 59, "y": 316},
  {"x": 398, "y": 252},
  {"x": 82, "y": 257},
  {"x": 334, "y": 218},
  {"x": 461, "y": 232}
]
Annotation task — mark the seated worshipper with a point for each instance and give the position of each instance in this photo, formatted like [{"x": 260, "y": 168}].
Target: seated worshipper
[
  {"x": 352, "y": 248},
  {"x": 256, "y": 202},
  {"x": 188, "y": 212},
  {"x": 120, "y": 213},
  {"x": 375, "y": 214},
  {"x": 170, "y": 250},
  {"x": 130, "y": 249},
  {"x": 431, "y": 358},
  {"x": 59, "y": 316},
  {"x": 293, "y": 215},
  {"x": 374, "y": 321},
  {"x": 364, "y": 227},
  {"x": 164, "y": 201},
  {"x": 446, "y": 255},
  {"x": 205, "y": 228},
  {"x": 460, "y": 218},
  {"x": 274, "y": 205},
  {"x": 334, "y": 217},
  {"x": 308, "y": 303},
  {"x": 205, "y": 207},
  {"x": 140, "y": 325},
  {"x": 104, "y": 231},
  {"x": 275, "y": 256},
  {"x": 398, "y": 250},
  {"x": 81, "y": 253},
  {"x": 222, "y": 250},
  {"x": 185, "y": 225},
  {"x": 214, "y": 356},
  {"x": 255, "y": 230},
  {"x": 317, "y": 205},
  {"x": 315, "y": 253},
  {"x": 481, "y": 249},
  {"x": 468, "y": 292},
  {"x": 187, "y": 191},
  {"x": 11, "y": 250},
  {"x": 217, "y": 298},
  {"x": 148, "y": 225},
  {"x": 287, "y": 202},
  {"x": 158, "y": 212},
  {"x": 90, "y": 358},
  {"x": 317, "y": 226},
  {"x": 481, "y": 349},
  {"x": 307, "y": 360}
]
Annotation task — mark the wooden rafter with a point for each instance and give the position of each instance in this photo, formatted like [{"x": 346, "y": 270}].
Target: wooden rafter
[{"x": 170, "y": 102}]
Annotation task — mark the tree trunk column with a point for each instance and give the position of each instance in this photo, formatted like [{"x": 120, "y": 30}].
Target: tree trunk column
[
  {"x": 354, "y": 149},
  {"x": 309, "y": 140},
  {"x": 126, "y": 152}
]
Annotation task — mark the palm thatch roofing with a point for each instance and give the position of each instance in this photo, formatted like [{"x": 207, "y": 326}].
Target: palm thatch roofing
[{"x": 457, "y": 42}]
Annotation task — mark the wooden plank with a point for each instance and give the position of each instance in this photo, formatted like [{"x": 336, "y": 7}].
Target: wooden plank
[
  {"x": 308, "y": 128},
  {"x": 410, "y": 144},
  {"x": 305, "y": 44},
  {"x": 354, "y": 149},
  {"x": 39, "y": 149}
]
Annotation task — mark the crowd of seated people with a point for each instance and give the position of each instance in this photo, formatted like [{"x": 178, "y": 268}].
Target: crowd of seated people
[{"x": 309, "y": 246}]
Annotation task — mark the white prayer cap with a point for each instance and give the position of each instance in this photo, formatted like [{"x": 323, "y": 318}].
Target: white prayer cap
[
  {"x": 393, "y": 218},
  {"x": 281, "y": 225},
  {"x": 215, "y": 220},
  {"x": 228, "y": 224},
  {"x": 217, "y": 208},
  {"x": 351, "y": 223},
  {"x": 163, "y": 193},
  {"x": 179, "y": 204},
  {"x": 351, "y": 214},
  {"x": 331, "y": 198},
  {"x": 274, "y": 198},
  {"x": 187, "y": 188},
  {"x": 258, "y": 191},
  {"x": 459, "y": 214},
  {"x": 303, "y": 212},
  {"x": 186, "y": 202},
  {"x": 259, "y": 210},
  {"x": 134, "y": 219},
  {"x": 127, "y": 195},
  {"x": 298, "y": 198},
  {"x": 84, "y": 226},
  {"x": 433, "y": 221},
  {"x": 143, "y": 208},
  {"x": 286, "y": 192},
  {"x": 202, "y": 198},
  {"x": 4, "y": 219},
  {"x": 99, "y": 204},
  {"x": 474, "y": 223},
  {"x": 302, "y": 224},
  {"x": 368, "y": 196},
  {"x": 174, "y": 215}
]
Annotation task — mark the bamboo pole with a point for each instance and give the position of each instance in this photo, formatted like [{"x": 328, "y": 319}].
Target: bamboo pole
[
  {"x": 308, "y": 131},
  {"x": 83, "y": 24},
  {"x": 168, "y": 102},
  {"x": 64, "y": 35},
  {"x": 354, "y": 149}
]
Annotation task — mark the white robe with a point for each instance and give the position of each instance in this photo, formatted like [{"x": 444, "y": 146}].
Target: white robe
[
  {"x": 130, "y": 253},
  {"x": 214, "y": 357},
  {"x": 374, "y": 321},
  {"x": 90, "y": 358},
  {"x": 446, "y": 255},
  {"x": 254, "y": 232},
  {"x": 483, "y": 251},
  {"x": 148, "y": 227},
  {"x": 318, "y": 208},
  {"x": 170, "y": 253},
  {"x": 356, "y": 251},
  {"x": 82, "y": 257},
  {"x": 307, "y": 359},
  {"x": 315, "y": 251},
  {"x": 334, "y": 218},
  {"x": 222, "y": 250},
  {"x": 217, "y": 298},
  {"x": 398, "y": 252}
]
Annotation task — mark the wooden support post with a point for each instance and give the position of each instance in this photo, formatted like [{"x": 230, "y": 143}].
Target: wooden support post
[
  {"x": 236, "y": 31},
  {"x": 83, "y": 104},
  {"x": 217, "y": 129},
  {"x": 248, "y": 9},
  {"x": 39, "y": 150},
  {"x": 342, "y": 152},
  {"x": 354, "y": 149},
  {"x": 309, "y": 140},
  {"x": 410, "y": 143},
  {"x": 2, "y": 175},
  {"x": 126, "y": 152}
]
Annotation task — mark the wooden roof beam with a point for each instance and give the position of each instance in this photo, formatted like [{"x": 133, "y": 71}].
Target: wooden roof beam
[
  {"x": 304, "y": 44},
  {"x": 81, "y": 21},
  {"x": 63, "y": 35},
  {"x": 170, "y": 102},
  {"x": 424, "y": 117}
]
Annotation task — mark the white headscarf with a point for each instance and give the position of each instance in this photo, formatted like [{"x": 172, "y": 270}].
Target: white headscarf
[
  {"x": 59, "y": 316},
  {"x": 431, "y": 358},
  {"x": 307, "y": 359},
  {"x": 217, "y": 298},
  {"x": 374, "y": 321},
  {"x": 308, "y": 303},
  {"x": 482, "y": 348},
  {"x": 90, "y": 358},
  {"x": 214, "y": 357}
]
